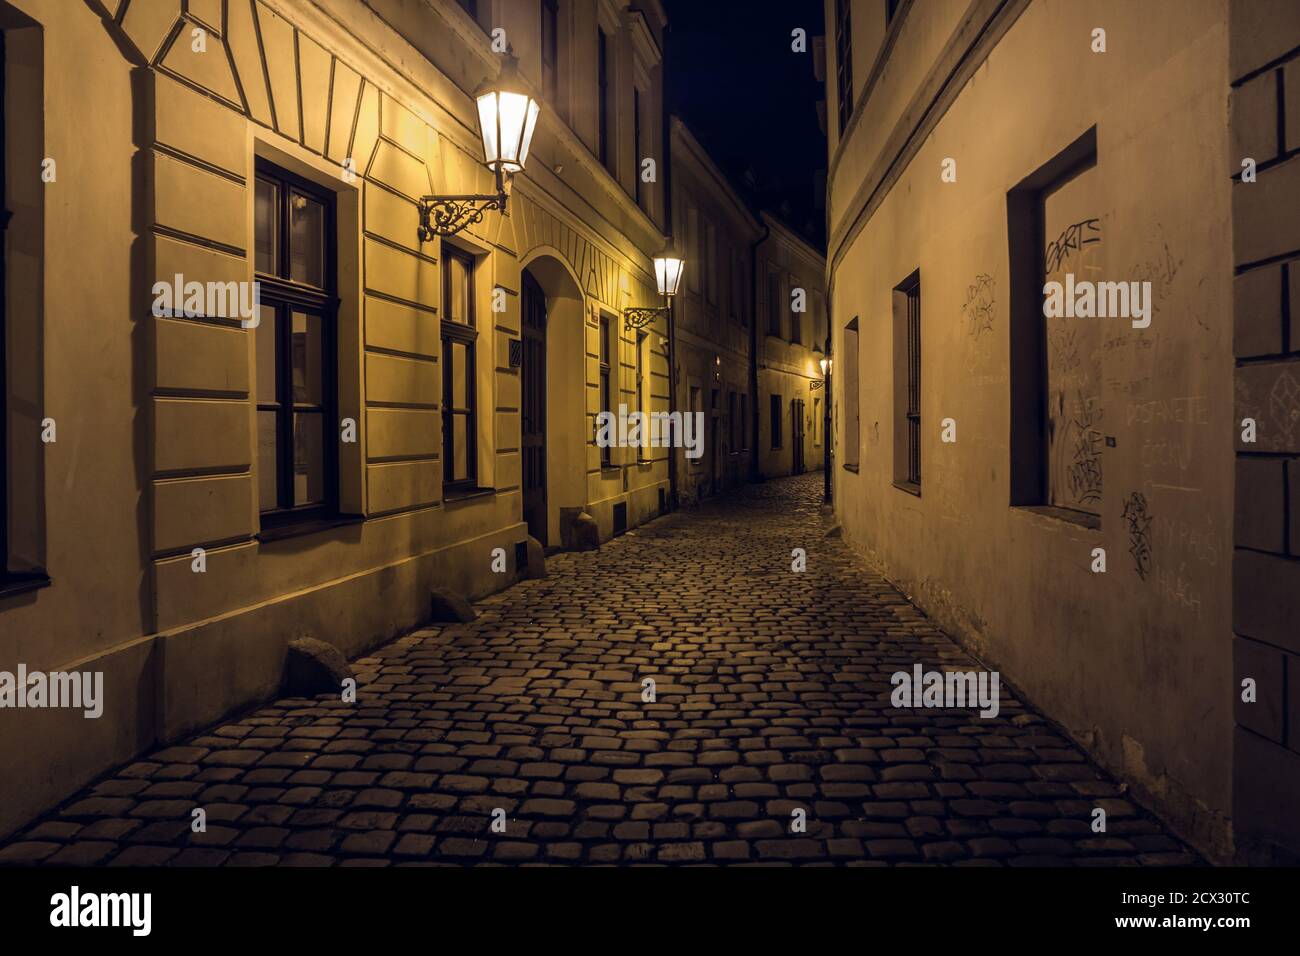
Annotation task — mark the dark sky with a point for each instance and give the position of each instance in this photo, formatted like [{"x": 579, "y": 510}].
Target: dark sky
[{"x": 752, "y": 101}]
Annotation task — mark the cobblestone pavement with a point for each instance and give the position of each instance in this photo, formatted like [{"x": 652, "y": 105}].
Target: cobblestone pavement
[{"x": 772, "y": 695}]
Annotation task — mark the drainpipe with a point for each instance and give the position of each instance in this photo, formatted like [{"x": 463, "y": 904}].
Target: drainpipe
[
  {"x": 672, "y": 404},
  {"x": 755, "y": 473},
  {"x": 826, "y": 414}
]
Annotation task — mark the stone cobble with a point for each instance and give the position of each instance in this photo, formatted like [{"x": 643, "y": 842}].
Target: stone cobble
[{"x": 526, "y": 737}]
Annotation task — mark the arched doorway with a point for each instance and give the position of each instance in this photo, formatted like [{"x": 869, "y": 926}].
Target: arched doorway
[
  {"x": 532, "y": 407},
  {"x": 554, "y": 424}
]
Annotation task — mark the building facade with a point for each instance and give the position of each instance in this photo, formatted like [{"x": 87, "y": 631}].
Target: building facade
[
  {"x": 989, "y": 442},
  {"x": 191, "y": 484},
  {"x": 714, "y": 318},
  {"x": 791, "y": 278}
]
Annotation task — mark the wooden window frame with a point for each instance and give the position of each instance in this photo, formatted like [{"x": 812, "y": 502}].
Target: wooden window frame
[
  {"x": 606, "y": 382},
  {"x": 287, "y": 295},
  {"x": 844, "y": 62},
  {"x": 604, "y": 150},
  {"x": 642, "y": 397},
  {"x": 550, "y": 49},
  {"x": 1029, "y": 386},
  {"x": 774, "y": 324},
  {"x": 907, "y": 384},
  {"x": 465, "y": 333},
  {"x": 849, "y": 380},
  {"x": 636, "y": 144}
]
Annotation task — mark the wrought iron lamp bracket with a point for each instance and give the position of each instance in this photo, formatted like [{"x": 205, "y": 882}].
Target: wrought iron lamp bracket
[
  {"x": 448, "y": 215},
  {"x": 816, "y": 384},
  {"x": 640, "y": 318}
]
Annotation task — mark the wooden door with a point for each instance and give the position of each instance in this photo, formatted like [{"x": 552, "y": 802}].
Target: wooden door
[{"x": 532, "y": 411}]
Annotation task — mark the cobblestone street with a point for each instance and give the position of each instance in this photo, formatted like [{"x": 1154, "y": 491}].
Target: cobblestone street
[{"x": 772, "y": 695}]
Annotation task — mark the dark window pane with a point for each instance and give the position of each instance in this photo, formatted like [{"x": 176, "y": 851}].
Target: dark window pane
[
  {"x": 308, "y": 349},
  {"x": 602, "y": 97},
  {"x": 265, "y": 215},
  {"x": 265, "y": 335},
  {"x": 460, "y": 376},
  {"x": 268, "y": 462},
  {"x": 460, "y": 447},
  {"x": 457, "y": 290},
  {"x": 308, "y": 458},
  {"x": 549, "y": 47},
  {"x": 306, "y": 240}
]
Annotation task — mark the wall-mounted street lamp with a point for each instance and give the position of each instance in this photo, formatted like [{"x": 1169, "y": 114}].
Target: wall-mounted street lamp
[
  {"x": 507, "y": 116},
  {"x": 827, "y": 430},
  {"x": 826, "y": 371},
  {"x": 668, "y": 276}
]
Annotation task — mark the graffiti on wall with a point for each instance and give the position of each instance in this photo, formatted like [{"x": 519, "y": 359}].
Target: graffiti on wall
[
  {"x": 978, "y": 307},
  {"x": 1138, "y": 520},
  {"x": 1074, "y": 349},
  {"x": 1074, "y": 238},
  {"x": 1085, "y": 464}
]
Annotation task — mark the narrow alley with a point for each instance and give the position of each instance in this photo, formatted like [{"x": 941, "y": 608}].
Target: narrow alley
[{"x": 770, "y": 738}]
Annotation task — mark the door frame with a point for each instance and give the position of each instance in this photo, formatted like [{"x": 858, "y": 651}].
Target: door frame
[{"x": 533, "y": 297}]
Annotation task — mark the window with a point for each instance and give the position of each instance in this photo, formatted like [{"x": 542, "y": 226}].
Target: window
[
  {"x": 738, "y": 303},
  {"x": 296, "y": 349},
  {"x": 775, "y": 409},
  {"x": 606, "y": 148},
  {"x": 637, "y": 155},
  {"x": 731, "y": 421},
  {"x": 744, "y": 421},
  {"x": 22, "y": 324},
  {"x": 606, "y": 453},
  {"x": 696, "y": 409},
  {"x": 693, "y": 242},
  {"x": 711, "y": 263},
  {"x": 847, "y": 370},
  {"x": 643, "y": 390},
  {"x": 550, "y": 50},
  {"x": 844, "y": 62},
  {"x": 774, "y": 304},
  {"x": 1056, "y": 363},
  {"x": 818, "y": 311},
  {"x": 4, "y": 335},
  {"x": 641, "y": 384},
  {"x": 796, "y": 321},
  {"x": 470, "y": 7},
  {"x": 459, "y": 336},
  {"x": 732, "y": 306},
  {"x": 907, "y": 383},
  {"x": 715, "y": 433}
]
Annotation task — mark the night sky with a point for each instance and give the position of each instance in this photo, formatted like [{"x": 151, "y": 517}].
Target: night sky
[{"x": 752, "y": 101}]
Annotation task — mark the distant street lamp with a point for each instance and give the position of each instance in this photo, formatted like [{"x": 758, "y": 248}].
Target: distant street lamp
[
  {"x": 507, "y": 116},
  {"x": 668, "y": 276},
  {"x": 826, "y": 364},
  {"x": 826, "y": 370}
]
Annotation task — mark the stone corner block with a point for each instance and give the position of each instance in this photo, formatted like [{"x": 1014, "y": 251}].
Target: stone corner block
[
  {"x": 314, "y": 667},
  {"x": 449, "y": 607}
]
